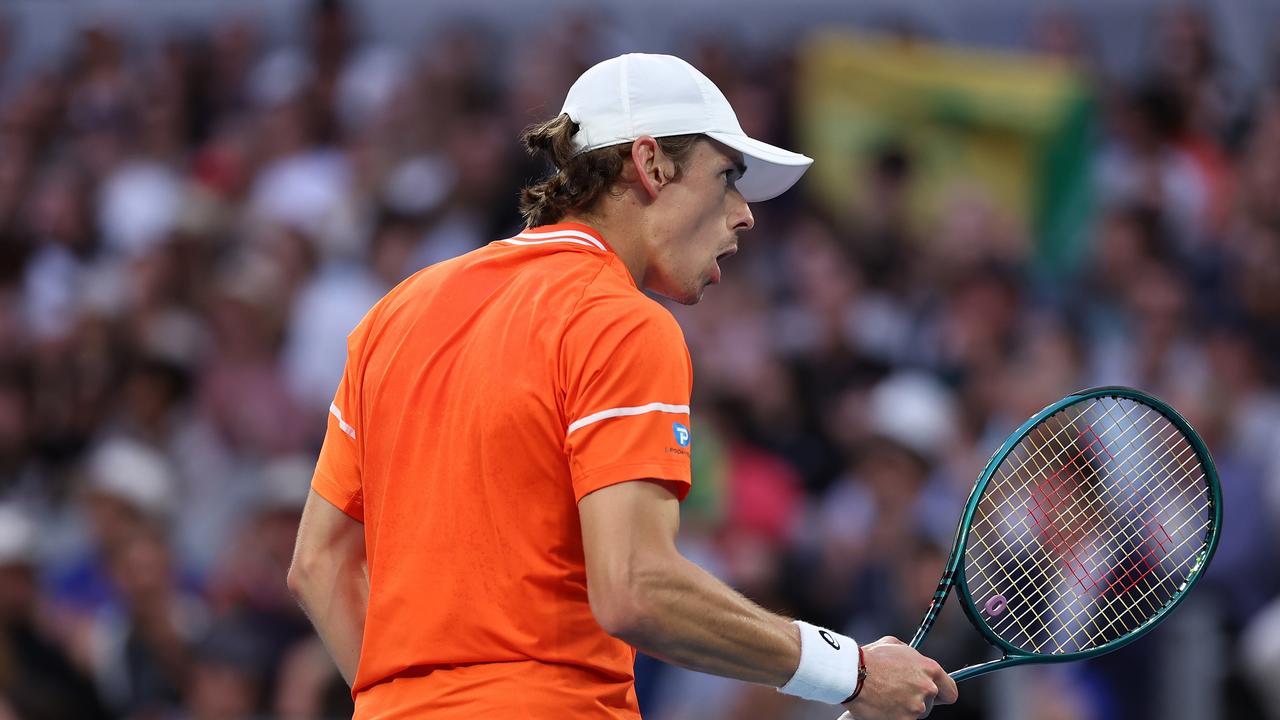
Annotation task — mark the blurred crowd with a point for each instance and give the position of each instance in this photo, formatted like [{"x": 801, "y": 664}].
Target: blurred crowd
[{"x": 190, "y": 225}]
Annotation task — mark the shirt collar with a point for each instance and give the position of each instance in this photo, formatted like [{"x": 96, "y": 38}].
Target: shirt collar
[{"x": 574, "y": 233}]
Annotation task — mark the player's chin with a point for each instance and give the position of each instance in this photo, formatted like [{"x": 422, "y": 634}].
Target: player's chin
[
  {"x": 686, "y": 292},
  {"x": 691, "y": 298},
  {"x": 691, "y": 295}
]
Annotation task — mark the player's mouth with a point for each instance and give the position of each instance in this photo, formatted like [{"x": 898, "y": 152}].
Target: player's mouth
[{"x": 715, "y": 266}]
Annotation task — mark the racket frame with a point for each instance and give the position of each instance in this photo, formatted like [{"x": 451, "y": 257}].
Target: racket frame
[{"x": 953, "y": 575}]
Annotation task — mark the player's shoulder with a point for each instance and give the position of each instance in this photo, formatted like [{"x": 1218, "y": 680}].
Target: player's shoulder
[{"x": 609, "y": 300}]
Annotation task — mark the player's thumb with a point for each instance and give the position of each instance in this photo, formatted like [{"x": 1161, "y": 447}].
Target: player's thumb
[{"x": 890, "y": 640}]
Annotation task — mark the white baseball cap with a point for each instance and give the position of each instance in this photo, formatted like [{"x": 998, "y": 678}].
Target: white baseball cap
[
  {"x": 135, "y": 473},
  {"x": 628, "y": 96},
  {"x": 914, "y": 410},
  {"x": 18, "y": 536}
]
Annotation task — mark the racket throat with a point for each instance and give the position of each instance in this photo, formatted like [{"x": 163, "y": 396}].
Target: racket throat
[{"x": 935, "y": 608}]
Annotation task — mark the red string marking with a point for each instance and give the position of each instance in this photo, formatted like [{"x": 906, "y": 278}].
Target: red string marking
[
  {"x": 1054, "y": 494},
  {"x": 1131, "y": 581},
  {"x": 1056, "y": 490}
]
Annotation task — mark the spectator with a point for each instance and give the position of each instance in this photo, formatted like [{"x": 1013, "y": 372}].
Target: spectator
[{"x": 37, "y": 679}]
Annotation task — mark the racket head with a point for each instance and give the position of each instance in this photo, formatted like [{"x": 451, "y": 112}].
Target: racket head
[{"x": 1102, "y": 510}]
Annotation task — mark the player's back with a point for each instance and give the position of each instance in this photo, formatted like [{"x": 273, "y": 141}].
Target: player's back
[{"x": 478, "y": 598}]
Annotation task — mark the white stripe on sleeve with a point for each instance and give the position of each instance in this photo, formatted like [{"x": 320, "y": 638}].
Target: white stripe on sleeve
[
  {"x": 624, "y": 411},
  {"x": 333, "y": 408}
]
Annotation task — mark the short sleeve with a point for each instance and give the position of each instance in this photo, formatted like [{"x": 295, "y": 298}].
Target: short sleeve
[
  {"x": 627, "y": 382},
  {"x": 337, "y": 476}
]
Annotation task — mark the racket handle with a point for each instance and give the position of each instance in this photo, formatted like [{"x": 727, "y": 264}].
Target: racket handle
[{"x": 845, "y": 716}]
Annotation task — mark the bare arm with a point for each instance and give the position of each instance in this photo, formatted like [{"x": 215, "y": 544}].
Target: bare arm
[
  {"x": 329, "y": 577},
  {"x": 644, "y": 592}
]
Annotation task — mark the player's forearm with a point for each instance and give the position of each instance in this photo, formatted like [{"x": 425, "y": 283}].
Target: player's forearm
[
  {"x": 335, "y": 598},
  {"x": 689, "y": 618}
]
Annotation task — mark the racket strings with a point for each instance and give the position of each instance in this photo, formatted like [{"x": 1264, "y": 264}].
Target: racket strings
[
  {"x": 1143, "y": 533},
  {"x": 1098, "y": 501},
  {"x": 1131, "y": 538},
  {"x": 1062, "y": 616},
  {"x": 1052, "y": 523},
  {"x": 1057, "y": 543},
  {"x": 1055, "y": 535},
  {"x": 1009, "y": 477},
  {"x": 1035, "y": 595},
  {"x": 1190, "y": 479},
  {"x": 1074, "y": 514}
]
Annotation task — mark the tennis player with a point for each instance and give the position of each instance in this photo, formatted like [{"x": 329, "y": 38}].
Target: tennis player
[{"x": 491, "y": 528}]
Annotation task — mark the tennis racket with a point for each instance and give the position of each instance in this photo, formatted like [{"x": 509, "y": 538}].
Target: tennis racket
[{"x": 1087, "y": 527}]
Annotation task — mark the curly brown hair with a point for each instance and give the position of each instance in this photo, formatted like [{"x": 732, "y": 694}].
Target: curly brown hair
[{"x": 579, "y": 179}]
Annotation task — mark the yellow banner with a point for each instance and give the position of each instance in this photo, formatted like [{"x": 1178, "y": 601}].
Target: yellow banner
[{"x": 1013, "y": 127}]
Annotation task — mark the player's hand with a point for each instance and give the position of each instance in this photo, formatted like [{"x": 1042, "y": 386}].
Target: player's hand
[{"x": 901, "y": 683}]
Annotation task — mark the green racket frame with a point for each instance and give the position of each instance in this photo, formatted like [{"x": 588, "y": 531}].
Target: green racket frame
[{"x": 954, "y": 574}]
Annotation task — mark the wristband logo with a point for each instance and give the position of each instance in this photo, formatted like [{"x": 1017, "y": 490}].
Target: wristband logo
[
  {"x": 830, "y": 640},
  {"x": 682, "y": 434}
]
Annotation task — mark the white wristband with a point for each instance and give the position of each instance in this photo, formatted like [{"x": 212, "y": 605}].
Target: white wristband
[{"x": 828, "y": 669}]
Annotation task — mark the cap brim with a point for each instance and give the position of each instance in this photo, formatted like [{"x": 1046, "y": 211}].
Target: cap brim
[{"x": 771, "y": 170}]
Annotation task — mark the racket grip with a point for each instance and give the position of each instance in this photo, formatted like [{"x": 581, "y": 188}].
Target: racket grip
[{"x": 845, "y": 716}]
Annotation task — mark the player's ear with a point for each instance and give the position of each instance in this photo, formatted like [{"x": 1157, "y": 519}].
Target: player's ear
[{"x": 652, "y": 168}]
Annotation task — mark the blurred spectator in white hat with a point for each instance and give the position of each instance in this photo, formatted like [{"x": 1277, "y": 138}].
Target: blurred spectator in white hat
[{"x": 128, "y": 486}]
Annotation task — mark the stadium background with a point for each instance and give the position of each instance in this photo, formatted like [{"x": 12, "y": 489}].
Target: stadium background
[{"x": 1012, "y": 200}]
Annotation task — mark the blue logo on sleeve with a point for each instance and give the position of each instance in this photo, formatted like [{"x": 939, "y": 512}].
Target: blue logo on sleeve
[{"x": 682, "y": 434}]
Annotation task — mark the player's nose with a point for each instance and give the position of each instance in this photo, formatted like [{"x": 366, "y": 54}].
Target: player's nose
[{"x": 743, "y": 219}]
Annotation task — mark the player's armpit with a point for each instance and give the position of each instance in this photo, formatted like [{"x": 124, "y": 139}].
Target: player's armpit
[{"x": 628, "y": 536}]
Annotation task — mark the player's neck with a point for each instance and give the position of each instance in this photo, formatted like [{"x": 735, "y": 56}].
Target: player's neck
[{"x": 622, "y": 238}]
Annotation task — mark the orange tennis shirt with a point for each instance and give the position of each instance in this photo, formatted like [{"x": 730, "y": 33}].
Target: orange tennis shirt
[{"x": 482, "y": 398}]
